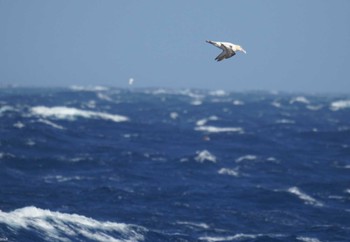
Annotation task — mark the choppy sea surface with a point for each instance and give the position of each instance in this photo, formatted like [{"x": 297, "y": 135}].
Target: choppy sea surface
[{"x": 106, "y": 164}]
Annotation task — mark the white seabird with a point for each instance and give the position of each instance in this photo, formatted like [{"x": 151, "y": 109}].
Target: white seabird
[{"x": 228, "y": 49}]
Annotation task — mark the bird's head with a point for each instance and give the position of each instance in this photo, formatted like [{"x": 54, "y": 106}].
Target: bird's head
[{"x": 241, "y": 49}]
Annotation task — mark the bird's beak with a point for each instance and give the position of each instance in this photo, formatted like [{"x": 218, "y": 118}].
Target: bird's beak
[{"x": 245, "y": 52}]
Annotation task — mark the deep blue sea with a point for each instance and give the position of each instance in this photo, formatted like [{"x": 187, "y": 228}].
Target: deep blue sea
[{"x": 108, "y": 164}]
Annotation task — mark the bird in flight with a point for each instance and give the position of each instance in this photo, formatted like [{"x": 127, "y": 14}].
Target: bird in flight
[{"x": 228, "y": 49}]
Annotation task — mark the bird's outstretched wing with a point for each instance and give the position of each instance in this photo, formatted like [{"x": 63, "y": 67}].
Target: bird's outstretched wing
[
  {"x": 217, "y": 44},
  {"x": 225, "y": 54}
]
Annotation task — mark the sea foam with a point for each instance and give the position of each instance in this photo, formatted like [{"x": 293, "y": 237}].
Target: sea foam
[
  {"x": 56, "y": 226},
  {"x": 205, "y": 155},
  {"x": 72, "y": 113},
  {"x": 213, "y": 129},
  {"x": 306, "y": 198},
  {"x": 338, "y": 105}
]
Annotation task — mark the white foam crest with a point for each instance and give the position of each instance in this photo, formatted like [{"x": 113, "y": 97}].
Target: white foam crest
[
  {"x": 299, "y": 99},
  {"x": 19, "y": 125},
  {"x": 174, "y": 115},
  {"x": 230, "y": 238},
  {"x": 306, "y": 198},
  {"x": 59, "y": 178},
  {"x": 285, "y": 121},
  {"x": 307, "y": 239},
  {"x": 196, "y": 102},
  {"x": 88, "y": 88},
  {"x": 205, "y": 155},
  {"x": 276, "y": 104},
  {"x": 52, "y": 124},
  {"x": 213, "y": 129},
  {"x": 202, "y": 122},
  {"x": 238, "y": 103},
  {"x": 6, "y": 108},
  {"x": 72, "y": 113},
  {"x": 218, "y": 93},
  {"x": 339, "y": 105},
  {"x": 64, "y": 227},
  {"x": 314, "y": 107},
  {"x": 193, "y": 224},
  {"x": 104, "y": 97},
  {"x": 246, "y": 157},
  {"x": 227, "y": 171}
]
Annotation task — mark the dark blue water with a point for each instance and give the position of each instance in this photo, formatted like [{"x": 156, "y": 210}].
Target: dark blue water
[{"x": 98, "y": 164}]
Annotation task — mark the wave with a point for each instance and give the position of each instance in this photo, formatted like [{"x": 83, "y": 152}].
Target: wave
[
  {"x": 237, "y": 237},
  {"x": 88, "y": 88},
  {"x": 218, "y": 93},
  {"x": 341, "y": 104},
  {"x": 307, "y": 239},
  {"x": 66, "y": 227},
  {"x": 203, "y": 121},
  {"x": 194, "y": 225},
  {"x": 7, "y": 108},
  {"x": 19, "y": 125},
  {"x": 299, "y": 99},
  {"x": 227, "y": 171},
  {"x": 238, "y": 103},
  {"x": 72, "y": 113},
  {"x": 205, "y": 155},
  {"x": 213, "y": 129},
  {"x": 246, "y": 157},
  {"x": 52, "y": 124},
  {"x": 306, "y": 198},
  {"x": 285, "y": 121}
]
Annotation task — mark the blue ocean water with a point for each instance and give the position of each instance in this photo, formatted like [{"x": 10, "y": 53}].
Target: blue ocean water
[{"x": 106, "y": 164}]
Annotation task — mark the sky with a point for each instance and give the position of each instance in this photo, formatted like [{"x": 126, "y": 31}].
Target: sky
[{"x": 293, "y": 46}]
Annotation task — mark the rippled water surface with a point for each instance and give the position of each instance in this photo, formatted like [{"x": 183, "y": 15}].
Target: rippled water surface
[{"x": 100, "y": 164}]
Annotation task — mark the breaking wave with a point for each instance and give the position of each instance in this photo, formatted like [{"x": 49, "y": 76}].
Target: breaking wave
[
  {"x": 67, "y": 227},
  {"x": 72, "y": 113}
]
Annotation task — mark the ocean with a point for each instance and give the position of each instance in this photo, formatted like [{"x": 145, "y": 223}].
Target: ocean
[{"x": 110, "y": 164}]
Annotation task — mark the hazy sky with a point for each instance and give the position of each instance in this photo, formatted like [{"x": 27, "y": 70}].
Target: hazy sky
[{"x": 294, "y": 45}]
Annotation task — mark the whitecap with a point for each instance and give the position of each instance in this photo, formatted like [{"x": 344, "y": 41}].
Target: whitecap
[
  {"x": 213, "y": 129},
  {"x": 59, "y": 178},
  {"x": 72, "y": 113},
  {"x": 19, "y": 125},
  {"x": 196, "y": 102},
  {"x": 52, "y": 124},
  {"x": 91, "y": 104},
  {"x": 227, "y": 171},
  {"x": 306, "y": 198},
  {"x": 192, "y": 224},
  {"x": 314, "y": 107},
  {"x": 5, "y": 109},
  {"x": 88, "y": 88},
  {"x": 299, "y": 99},
  {"x": 238, "y": 103},
  {"x": 205, "y": 155},
  {"x": 307, "y": 239},
  {"x": 276, "y": 104},
  {"x": 285, "y": 121},
  {"x": 30, "y": 142},
  {"x": 202, "y": 122},
  {"x": 230, "y": 238},
  {"x": 246, "y": 157},
  {"x": 66, "y": 227},
  {"x": 104, "y": 97},
  {"x": 218, "y": 93},
  {"x": 341, "y": 104},
  {"x": 174, "y": 115}
]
